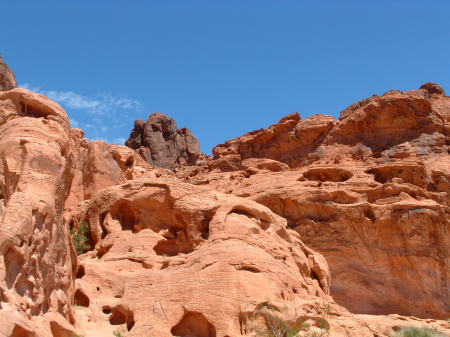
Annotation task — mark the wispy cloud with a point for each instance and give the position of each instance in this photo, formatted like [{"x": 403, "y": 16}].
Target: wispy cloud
[
  {"x": 98, "y": 104},
  {"x": 101, "y": 116}
]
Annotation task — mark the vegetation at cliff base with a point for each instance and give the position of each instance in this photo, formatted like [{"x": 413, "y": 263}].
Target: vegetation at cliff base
[{"x": 80, "y": 238}]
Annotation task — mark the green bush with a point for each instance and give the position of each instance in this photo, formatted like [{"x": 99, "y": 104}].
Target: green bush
[
  {"x": 417, "y": 332},
  {"x": 80, "y": 238}
]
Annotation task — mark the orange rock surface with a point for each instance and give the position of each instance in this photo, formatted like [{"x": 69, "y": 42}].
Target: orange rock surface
[
  {"x": 372, "y": 197},
  {"x": 318, "y": 223}
]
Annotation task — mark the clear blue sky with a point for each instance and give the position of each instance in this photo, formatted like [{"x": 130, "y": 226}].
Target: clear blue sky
[{"x": 221, "y": 68}]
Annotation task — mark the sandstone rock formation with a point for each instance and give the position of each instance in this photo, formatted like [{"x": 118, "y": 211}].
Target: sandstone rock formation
[
  {"x": 197, "y": 255},
  {"x": 296, "y": 224},
  {"x": 162, "y": 144},
  {"x": 99, "y": 165},
  {"x": 288, "y": 141},
  {"x": 7, "y": 77},
  {"x": 36, "y": 262},
  {"x": 369, "y": 191}
]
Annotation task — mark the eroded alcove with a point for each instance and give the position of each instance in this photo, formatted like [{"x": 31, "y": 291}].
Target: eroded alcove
[{"x": 194, "y": 324}]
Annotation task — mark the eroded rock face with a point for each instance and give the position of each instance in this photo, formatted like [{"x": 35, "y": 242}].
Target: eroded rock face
[
  {"x": 36, "y": 259},
  {"x": 168, "y": 258},
  {"x": 394, "y": 125},
  {"x": 371, "y": 196},
  {"x": 7, "y": 77},
  {"x": 386, "y": 123},
  {"x": 287, "y": 142},
  {"x": 99, "y": 165},
  {"x": 162, "y": 144},
  {"x": 191, "y": 251}
]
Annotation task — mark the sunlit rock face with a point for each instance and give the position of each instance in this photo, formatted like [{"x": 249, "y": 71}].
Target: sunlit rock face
[
  {"x": 369, "y": 191},
  {"x": 36, "y": 261},
  {"x": 319, "y": 222},
  {"x": 170, "y": 257}
]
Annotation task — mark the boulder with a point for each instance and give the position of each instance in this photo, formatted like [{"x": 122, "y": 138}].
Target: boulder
[{"x": 162, "y": 144}]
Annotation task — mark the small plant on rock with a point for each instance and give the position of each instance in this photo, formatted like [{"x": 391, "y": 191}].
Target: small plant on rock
[
  {"x": 417, "y": 332},
  {"x": 119, "y": 332},
  {"x": 267, "y": 321},
  {"x": 80, "y": 238}
]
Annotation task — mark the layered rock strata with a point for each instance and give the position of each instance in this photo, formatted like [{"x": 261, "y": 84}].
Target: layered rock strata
[
  {"x": 369, "y": 191},
  {"x": 162, "y": 257}
]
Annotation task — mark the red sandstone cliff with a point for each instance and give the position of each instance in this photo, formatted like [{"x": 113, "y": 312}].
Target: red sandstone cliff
[{"x": 302, "y": 221}]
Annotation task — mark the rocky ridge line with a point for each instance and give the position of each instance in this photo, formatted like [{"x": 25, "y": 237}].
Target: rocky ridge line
[{"x": 163, "y": 257}]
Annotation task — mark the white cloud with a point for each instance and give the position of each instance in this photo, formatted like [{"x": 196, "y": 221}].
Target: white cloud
[
  {"x": 73, "y": 100},
  {"x": 101, "y": 116},
  {"x": 97, "y": 104}
]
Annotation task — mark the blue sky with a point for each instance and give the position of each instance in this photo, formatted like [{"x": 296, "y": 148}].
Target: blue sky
[{"x": 221, "y": 68}]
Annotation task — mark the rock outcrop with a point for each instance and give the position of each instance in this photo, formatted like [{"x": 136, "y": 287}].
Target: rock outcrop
[
  {"x": 36, "y": 258},
  {"x": 7, "y": 77},
  {"x": 99, "y": 165},
  {"x": 292, "y": 225},
  {"x": 370, "y": 192},
  {"x": 162, "y": 144},
  {"x": 288, "y": 141},
  {"x": 197, "y": 255}
]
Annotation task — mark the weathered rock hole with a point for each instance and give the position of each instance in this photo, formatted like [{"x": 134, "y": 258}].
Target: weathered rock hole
[
  {"x": 125, "y": 215},
  {"x": 120, "y": 315},
  {"x": 327, "y": 174},
  {"x": 81, "y": 299},
  {"x": 251, "y": 269},
  {"x": 129, "y": 162},
  {"x": 204, "y": 224},
  {"x": 31, "y": 111},
  {"x": 80, "y": 271},
  {"x": 102, "y": 225},
  {"x": 412, "y": 174},
  {"x": 172, "y": 247},
  {"x": 128, "y": 218},
  {"x": 368, "y": 213},
  {"x": 194, "y": 324},
  {"x": 166, "y": 248}
]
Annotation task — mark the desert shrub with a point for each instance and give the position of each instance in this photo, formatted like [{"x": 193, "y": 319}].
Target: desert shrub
[
  {"x": 417, "y": 332},
  {"x": 119, "y": 333},
  {"x": 325, "y": 311},
  {"x": 80, "y": 238},
  {"x": 266, "y": 321}
]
